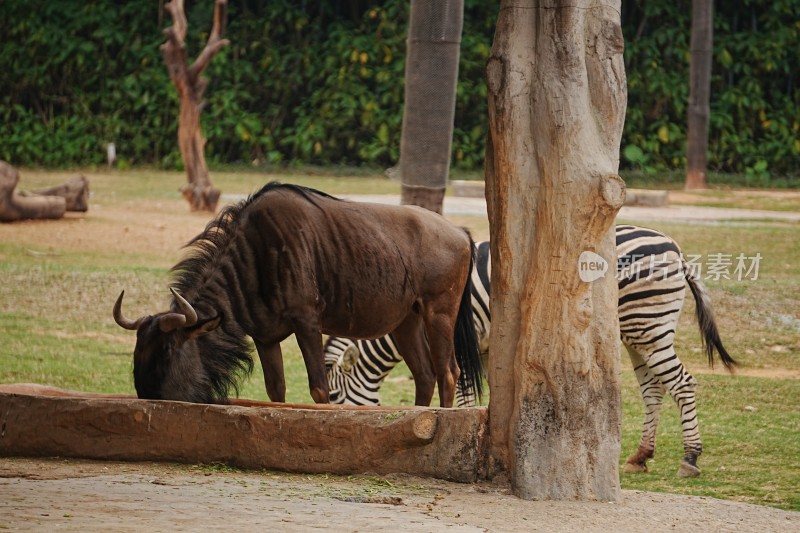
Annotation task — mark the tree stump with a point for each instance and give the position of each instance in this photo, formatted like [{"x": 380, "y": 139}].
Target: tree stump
[
  {"x": 15, "y": 206},
  {"x": 557, "y": 97}
]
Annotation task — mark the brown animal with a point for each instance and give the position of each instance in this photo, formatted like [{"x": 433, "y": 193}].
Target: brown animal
[{"x": 295, "y": 260}]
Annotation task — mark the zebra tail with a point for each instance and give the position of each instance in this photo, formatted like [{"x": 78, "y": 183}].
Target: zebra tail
[
  {"x": 468, "y": 354},
  {"x": 706, "y": 322}
]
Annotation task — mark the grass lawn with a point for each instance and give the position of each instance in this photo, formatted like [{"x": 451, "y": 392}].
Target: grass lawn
[{"x": 59, "y": 280}]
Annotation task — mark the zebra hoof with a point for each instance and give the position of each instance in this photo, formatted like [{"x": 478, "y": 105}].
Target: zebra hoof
[
  {"x": 634, "y": 468},
  {"x": 688, "y": 470}
]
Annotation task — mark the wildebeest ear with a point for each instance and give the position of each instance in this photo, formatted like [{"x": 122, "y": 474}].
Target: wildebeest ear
[{"x": 203, "y": 326}]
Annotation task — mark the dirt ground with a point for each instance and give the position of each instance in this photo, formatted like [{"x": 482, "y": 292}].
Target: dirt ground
[{"x": 75, "y": 495}]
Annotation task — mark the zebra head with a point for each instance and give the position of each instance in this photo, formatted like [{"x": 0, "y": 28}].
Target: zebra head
[
  {"x": 347, "y": 382},
  {"x": 340, "y": 356}
]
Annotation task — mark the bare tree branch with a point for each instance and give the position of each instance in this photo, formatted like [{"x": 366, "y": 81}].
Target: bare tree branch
[
  {"x": 215, "y": 41},
  {"x": 179, "y": 23}
]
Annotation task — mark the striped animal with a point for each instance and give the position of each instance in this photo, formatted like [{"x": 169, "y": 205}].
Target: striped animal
[{"x": 652, "y": 277}]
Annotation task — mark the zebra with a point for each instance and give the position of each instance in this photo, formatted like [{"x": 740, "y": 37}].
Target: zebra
[{"x": 652, "y": 275}]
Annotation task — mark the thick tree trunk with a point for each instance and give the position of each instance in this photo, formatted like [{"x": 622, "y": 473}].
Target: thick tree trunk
[
  {"x": 434, "y": 37},
  {"x": 557, "y": 97},
  {"x": 699, "y": 93},
  {"x": 16, "y": 206},
  {"x": 188, "y": 80}
]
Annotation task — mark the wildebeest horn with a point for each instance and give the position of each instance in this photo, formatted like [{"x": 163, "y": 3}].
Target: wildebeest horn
[
  {"x": 121, "y": 320},
  {"x": 186, "y": 307},
  {"x": 171, "y": 321}
]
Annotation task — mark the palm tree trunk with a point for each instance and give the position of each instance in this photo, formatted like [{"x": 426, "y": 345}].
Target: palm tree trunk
[{"x": 699, "y": 93}]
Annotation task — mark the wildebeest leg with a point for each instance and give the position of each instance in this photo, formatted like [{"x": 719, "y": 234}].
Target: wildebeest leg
[
  {"x": 309, "y": 339},
  {"x": 272, "y": 364},
  {"x": 440, "y": 329},
  {"x": 410, "y": 340}
]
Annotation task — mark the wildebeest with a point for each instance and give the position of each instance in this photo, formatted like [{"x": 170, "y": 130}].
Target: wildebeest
[{"x": 295, "y": 260}]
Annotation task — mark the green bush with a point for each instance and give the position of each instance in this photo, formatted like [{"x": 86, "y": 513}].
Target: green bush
[
  {"x": 318, "y": 82},
  {"x": 755, "y": 96}
]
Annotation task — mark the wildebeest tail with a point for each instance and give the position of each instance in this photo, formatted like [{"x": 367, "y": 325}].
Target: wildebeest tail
[
  {"x": 705, "y": 319},
  {"x": 468, "y": 354}
]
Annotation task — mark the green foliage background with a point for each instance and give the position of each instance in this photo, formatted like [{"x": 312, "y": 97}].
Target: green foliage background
[{"x": 321, "y": 82}]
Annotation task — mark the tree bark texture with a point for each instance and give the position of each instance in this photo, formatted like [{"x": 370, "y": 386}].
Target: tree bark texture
[
  {"x": 702, "y": 44},
  {"x": 15, "y": 206},
  {"x": 431, "y": 75},
  {"x": 557, "y": 97},
  {"x": 191, "y": 85}
]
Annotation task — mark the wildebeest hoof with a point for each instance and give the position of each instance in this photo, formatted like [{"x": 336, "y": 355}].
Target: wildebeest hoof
[
  {"x": 319, "y": 395},
  {"x": 688, "y": 470}
]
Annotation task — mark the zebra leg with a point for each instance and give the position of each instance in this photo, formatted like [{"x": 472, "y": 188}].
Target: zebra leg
[
  {"x": 465, "y": 398},
  {"x": 272, "y": 365},
  {"x": 652, "y": 391},
  {"x": 683, "y": 390},
  {"x": 409, "y": 337},
  {"x": 668, "y": 369}
]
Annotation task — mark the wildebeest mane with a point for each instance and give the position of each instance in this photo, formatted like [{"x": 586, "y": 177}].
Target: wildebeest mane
[
  {"x": 209, "y": 246},
  {"x": 206, "y": 253}
]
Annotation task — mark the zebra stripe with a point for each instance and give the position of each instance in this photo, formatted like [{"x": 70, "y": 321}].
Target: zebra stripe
[
  {"x": 652, "y": 278},
  {"x": 356, "y": 369},
  {"x": 481, "y": 284}
]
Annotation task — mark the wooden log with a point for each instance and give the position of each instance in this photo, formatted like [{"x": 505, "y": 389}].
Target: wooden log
[
  {"x": 14, "y": 206},
  {"x": 35, "y": 389},
  {"x": 468, "y": 189},
  {"x": 441, "y": 443},
  {"x": 633, "y": 197},
  {"x": 646, "y": 198},
  {"x": 75, "y": 192}
]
